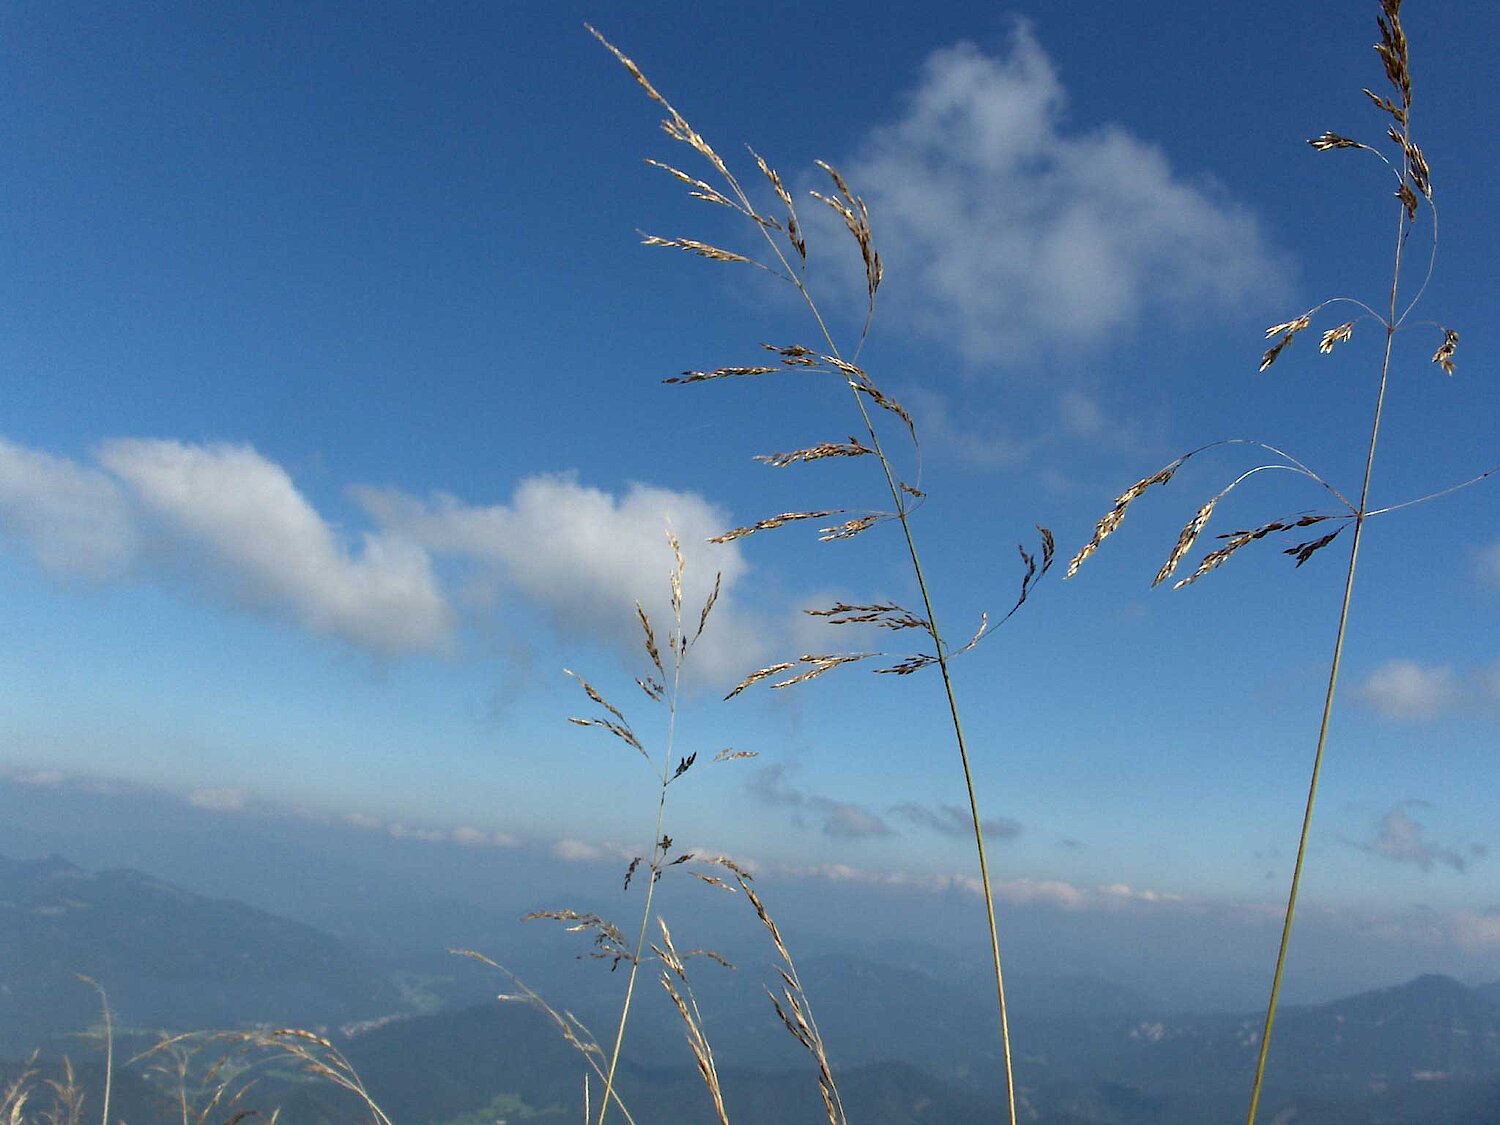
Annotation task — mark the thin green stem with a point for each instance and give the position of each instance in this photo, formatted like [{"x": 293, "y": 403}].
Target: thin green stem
[
  {"x": 654, "y": 872},
  {"x": 941, "y": 649},
  {"x": 748, "y": 209},
  {"x": 1333, "y": 679}
]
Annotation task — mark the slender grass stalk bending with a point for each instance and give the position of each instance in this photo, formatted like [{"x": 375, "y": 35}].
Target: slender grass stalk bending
[
  {"x": 1413, "y": 174},
  {"x": 609, "y": 942},
  {"x": 1413, "y": 187},
  {"x": 904, "y": 497},
  {"x": 658, "y": 852},
  {"x": 109, "y": 1044}
]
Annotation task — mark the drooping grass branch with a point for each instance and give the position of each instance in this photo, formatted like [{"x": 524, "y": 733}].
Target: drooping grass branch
[
  {"x": 663, "y": 689},
  {"x": 1414, "y": 190},
  {"x": 786, "y": 248}
]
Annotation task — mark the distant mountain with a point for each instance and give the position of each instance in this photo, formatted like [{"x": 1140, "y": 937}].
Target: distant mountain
[
  {"x": 167, "y": 958},
  {"x": 1411, "y": 1044},
  {"x": 909, "y": 1047},
  {"x": 432, "y": 1070},
  {"x": 1490, "y": 992}
]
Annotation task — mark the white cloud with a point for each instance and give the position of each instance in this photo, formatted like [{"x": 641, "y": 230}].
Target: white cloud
[
  {"x": 274, "y": 551},
  {"x": 576, "y": 851},
  {"x": 471, "y": 837},
  {"x": 73, "y": 518},
  {"x": 426, "y": 835},
  {"x": 236, "y": 525},
  {"x": 218, "y": 799},
  {"x": 1011, "y": 234},
  {"x": 1405, "y": 689},
  {"x": 587, "y": 557},
  {"x": 1055, "y": 893}
]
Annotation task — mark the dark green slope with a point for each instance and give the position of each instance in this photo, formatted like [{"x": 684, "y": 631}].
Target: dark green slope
[{"x": 168, "y": 958}]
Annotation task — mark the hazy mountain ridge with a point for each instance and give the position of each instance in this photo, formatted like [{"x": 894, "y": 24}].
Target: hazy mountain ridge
[
  {"x": 1089, "y": 1052},
  {"x": 168, "y": 958}
]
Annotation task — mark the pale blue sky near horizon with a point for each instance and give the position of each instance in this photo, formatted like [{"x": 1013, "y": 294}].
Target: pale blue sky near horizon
[{"x": 335, "y": 432}]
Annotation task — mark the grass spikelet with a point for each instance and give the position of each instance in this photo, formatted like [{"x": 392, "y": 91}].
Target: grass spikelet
[
  {"x": 1288, "y": 332},
  {"x": 1185, "y": 541},
  {"x": 692, "y": 1018},
  {"x": 1326, "y": 142},
  {"x": 700, "y": 190},
  {"x": 760, "y": 674},
  {"x": 720, "y": 373},
  {"x": 1304, "y": 551},
  {"x": 793, "y": 227},
  {"x": 848, "y": 529},
  {"x": 883, "y": 615},
  {"x": 619, "y": 730},
  {"x": 594, "y": 695},
  {"x": 708, "y": 605},
  {"x": 1335, "y": 336},
  {"x": 1443, "y": 357},
  {"x": 770, "y": 523},
  {"x": 1112, "y": 519},
  {"x": 702, "y": 249},
  {"x": 852, "y": 448},
  {"x": 570, "y": 1027},
  {"x": 819, "y": 665},
  {"x": 650, "y": 639},
  {"x": 1235, "y": 540}
]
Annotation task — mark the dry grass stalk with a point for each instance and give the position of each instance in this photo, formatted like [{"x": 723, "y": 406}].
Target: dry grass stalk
[
  {"x": 1112, "y": 519},
  {"x": 770, "y": 523},
  {"x": 851, "y": 448},
  {"x": 855, "y": 215},
  {"x": 569, "y": 1026},
  {"x": 691, "y": 1017},
  {"x": 234, "y": 1055},
  {"x": 18, "y": 1093},
  {"x": 608, "y": 941},
  {"x": 793, "y": 1006},
  {"x": 1414, "y": 185}
]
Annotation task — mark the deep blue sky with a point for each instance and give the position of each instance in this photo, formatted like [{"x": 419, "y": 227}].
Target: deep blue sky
[{"x": 334, "y": 431}]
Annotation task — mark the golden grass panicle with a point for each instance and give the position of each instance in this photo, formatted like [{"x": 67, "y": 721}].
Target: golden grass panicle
[
  {"x": 1111, "y": 520},
  {"x": 883, "y": 615},
  {"x": 1336, "y": 336},
  {"x": 852, "y": 448},
  {"x": 573, "y": 1030},
  {"x": 1443, "y": 357},
  {"x": 770, "y": 523},
  {"x": 1287, "y": 331},
  {"x": 1234, "y": 540},
  {"x": 1185, "y": 540},
  {"x": 793, "y": 226}
]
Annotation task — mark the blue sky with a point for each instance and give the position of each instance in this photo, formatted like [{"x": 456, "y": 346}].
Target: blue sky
[{"x": 335, "y": 431}]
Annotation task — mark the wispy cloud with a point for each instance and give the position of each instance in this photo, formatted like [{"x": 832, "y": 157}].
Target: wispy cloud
[
  {"x": 772, "y": 785},
  {"x": 1401, "y": 839},
  {"x": 1077, "y": 233},
  {"x": 955, "y": 821},
  {"x": 1489, "y": 564},
  {"x": 1406, "y": 689}
]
